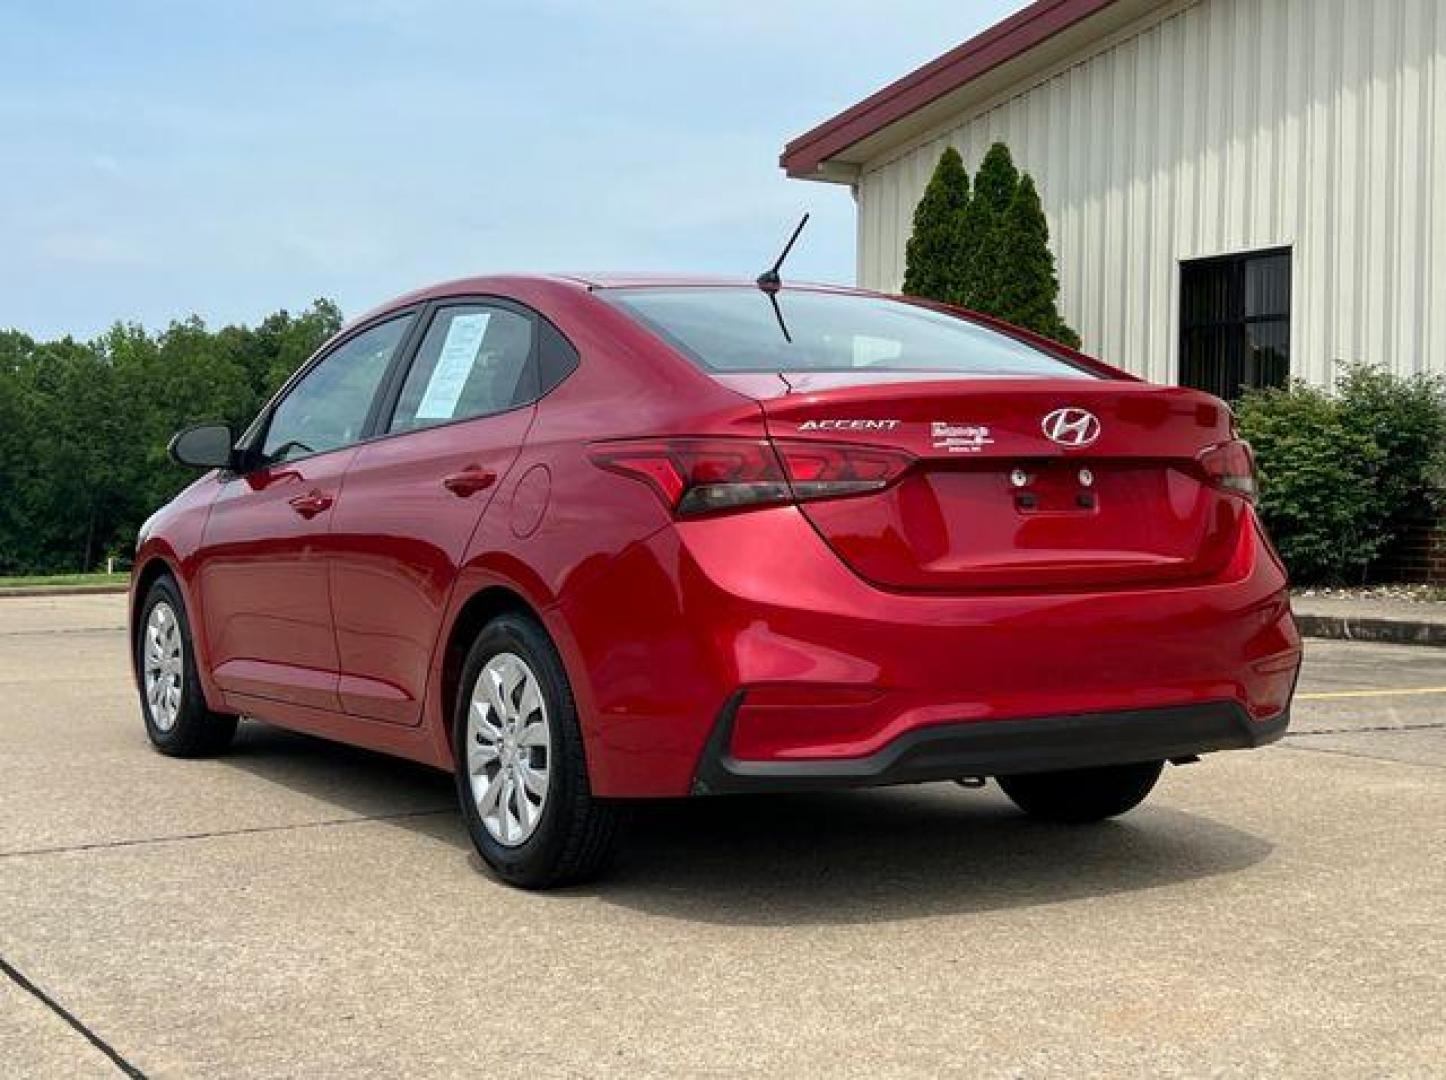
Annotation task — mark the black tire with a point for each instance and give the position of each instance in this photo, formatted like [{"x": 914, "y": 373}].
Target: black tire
[
  {"x": 576, "y": 836},
  {"x": 1080, "y": 796},
  {"x": 196, "y": 730}
]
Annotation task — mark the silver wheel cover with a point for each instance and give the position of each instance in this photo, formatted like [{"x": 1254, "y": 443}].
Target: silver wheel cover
[
  {"x": 164, "y": 666},
  {"x": 509, "y": 749}
]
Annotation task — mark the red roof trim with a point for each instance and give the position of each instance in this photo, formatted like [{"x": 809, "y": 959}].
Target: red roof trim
[{"x": 999, "y": 44}]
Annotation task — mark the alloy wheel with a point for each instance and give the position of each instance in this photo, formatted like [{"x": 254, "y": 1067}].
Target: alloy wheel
[
  {"x": 165, "y": 666},
  {"x": 508, "y": 748}
]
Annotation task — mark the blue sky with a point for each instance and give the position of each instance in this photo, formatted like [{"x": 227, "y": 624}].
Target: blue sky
[{"x": 164, "y": 157}]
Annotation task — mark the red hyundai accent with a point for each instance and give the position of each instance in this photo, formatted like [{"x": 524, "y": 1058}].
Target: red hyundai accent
[{"x": 590, "y": 540}]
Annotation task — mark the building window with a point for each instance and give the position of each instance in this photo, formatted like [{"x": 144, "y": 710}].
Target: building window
[{"x": 1235, "y": 322}]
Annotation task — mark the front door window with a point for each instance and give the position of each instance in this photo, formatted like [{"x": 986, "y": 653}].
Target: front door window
[{"x": 328, "y": 408}]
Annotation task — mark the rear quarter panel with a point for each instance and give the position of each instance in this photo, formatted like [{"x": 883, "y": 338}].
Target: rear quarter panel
[{"x": 559, "y": 522}]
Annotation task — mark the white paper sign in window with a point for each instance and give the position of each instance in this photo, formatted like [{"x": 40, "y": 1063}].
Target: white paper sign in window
[{"x": 454, "y": 366}]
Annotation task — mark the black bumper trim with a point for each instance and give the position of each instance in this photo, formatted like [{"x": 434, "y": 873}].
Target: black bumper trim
[{"x": 995, "y": 748}]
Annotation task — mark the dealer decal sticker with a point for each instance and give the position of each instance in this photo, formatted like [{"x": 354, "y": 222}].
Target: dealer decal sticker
[{"x": 959, "y": 438}]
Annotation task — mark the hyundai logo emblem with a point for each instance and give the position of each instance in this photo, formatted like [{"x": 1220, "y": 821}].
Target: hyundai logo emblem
[{"x": 1072, "y": 427}]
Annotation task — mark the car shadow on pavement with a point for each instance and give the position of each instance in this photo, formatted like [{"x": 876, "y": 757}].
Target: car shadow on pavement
[
  {"x": 874, "y": 856},
  {"x": 788, "y": 860},
  {"x": 359, "y": 783}
]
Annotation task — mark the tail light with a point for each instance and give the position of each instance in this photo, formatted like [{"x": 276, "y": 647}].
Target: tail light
[
  {"x": 699, "y": 476},
  {"x": 834, "y": 470},
  {"x": 1230, "y": 466}
]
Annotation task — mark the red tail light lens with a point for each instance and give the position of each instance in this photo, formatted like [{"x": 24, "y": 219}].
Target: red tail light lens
[
  {"x": 701, "y": 476},
  {"x": 834, "y": 470},
  {"x": 1231, "y": 467}
]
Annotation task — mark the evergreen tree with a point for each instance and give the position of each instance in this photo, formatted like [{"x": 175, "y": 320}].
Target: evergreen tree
[
  {"x": 933, "y": 266},
  {"x": 994, "y": 190},
  {"x": 1028, "y": 286}
]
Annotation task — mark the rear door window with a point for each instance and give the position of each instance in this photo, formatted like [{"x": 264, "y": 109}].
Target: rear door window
[{"x": 475, "y": 360}]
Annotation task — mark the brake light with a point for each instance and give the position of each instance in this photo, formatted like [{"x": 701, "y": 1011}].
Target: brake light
[
  {"x": 834, "y": 470},
  {"x": 698, "y": 476},
  {"x": 1230, "y": 466}
]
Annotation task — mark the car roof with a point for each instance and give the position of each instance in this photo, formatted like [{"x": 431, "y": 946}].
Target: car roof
[
  {"x": 608, "y": 279},
  {"x": 611, "y": 279},
  {"x": 511, "y": 284}
]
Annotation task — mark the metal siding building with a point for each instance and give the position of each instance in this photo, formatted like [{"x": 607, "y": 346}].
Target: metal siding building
[{"x": 1165, "y": 132}]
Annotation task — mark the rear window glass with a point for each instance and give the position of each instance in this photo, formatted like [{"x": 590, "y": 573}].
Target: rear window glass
[{"x": 737, "y": 329}]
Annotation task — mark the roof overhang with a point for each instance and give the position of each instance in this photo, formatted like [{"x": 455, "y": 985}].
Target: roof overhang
[{"x": 1041, "y": 36}]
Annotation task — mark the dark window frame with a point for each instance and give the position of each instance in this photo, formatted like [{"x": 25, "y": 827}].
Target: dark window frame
[{"x": 1232, "y": 326}]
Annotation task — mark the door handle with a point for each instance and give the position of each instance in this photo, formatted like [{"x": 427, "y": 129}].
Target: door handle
[
  {"x": 310, "y": 504},
  {"x": 469, "y": 481}
]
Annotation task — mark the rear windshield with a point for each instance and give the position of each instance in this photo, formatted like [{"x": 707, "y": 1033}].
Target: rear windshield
[{"x": 737, "y": 329}]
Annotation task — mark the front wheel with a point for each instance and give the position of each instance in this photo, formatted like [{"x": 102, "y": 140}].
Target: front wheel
[
  {"x": 1079, "y": 796},
  {"x": 521, "y": 771},
  {"x": 177, "y": 719}
]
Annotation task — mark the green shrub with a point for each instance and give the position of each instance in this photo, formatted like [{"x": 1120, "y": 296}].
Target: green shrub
[
  {"x": 1406, "y": 418},
  {"x": 1343, "y": 472}
]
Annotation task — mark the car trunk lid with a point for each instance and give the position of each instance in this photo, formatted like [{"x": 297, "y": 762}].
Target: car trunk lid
[{"x": 1015, "y": 483}]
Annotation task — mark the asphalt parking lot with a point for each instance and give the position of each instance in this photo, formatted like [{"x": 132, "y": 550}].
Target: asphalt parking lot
[{"x": 298, "y": 908}]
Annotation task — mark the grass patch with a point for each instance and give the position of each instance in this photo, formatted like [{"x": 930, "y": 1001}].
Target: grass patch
[{"x": 42, "y": 581}]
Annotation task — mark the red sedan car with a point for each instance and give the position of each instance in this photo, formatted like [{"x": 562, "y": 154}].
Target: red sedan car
[{"x": 589, "y": 540}]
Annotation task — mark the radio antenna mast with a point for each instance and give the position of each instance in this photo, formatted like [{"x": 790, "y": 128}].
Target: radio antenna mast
[{"x": 769, "y": 281}]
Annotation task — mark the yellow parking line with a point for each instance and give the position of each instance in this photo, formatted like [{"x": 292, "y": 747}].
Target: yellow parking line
[{"x": 1402, "y": 692}]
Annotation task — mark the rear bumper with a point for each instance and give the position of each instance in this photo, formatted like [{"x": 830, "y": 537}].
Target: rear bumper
[
  {"x": 826, "y": 677},
  {"x": 996, "y": 748}
]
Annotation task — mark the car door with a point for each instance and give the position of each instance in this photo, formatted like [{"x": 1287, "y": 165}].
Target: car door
[
  {"x": 262, "y": 573},
  {"x": 414, "y": 497}
]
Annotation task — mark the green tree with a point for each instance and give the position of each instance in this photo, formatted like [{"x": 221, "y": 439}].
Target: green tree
[
  {"x": 1028, "y": 287},
  {"x": 987, "y": 250},
  {"x": 17, "y": 461},
  {"x": 981, "y": 238},
  {"x": 282, "y": 341},
  {"x": 934, "y": 266},
  {"x": 84, "y": 425},
  {"x": 76, "y": 478}
]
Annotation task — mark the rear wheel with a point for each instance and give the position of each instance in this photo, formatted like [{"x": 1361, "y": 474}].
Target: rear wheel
[
  {"x": 177, "y": 719},
  {"x": 1079, "y": 796},
  {"x": 521, "y": 772}
]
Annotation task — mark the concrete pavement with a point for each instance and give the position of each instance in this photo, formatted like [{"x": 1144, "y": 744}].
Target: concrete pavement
[{"x": 297, "y": 908}]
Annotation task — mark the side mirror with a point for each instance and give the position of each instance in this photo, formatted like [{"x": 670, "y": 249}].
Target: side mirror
[{"x": 205, "y": 446}]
